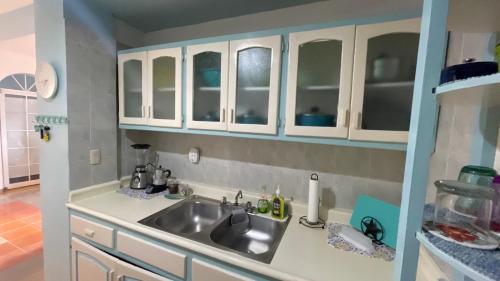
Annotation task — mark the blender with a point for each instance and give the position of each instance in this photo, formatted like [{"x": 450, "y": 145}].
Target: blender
[{"x": 140, "y": 178}]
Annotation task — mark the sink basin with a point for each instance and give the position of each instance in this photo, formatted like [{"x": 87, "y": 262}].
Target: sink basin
[
  {"x": 206, "y": 221},
  {"x": 259, "y": 240},
  {"x": 192, "y": 215}
]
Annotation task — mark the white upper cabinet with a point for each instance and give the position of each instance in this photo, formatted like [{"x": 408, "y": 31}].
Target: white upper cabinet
[
  {"x": 207, "y": 74},
  {"x": 254, "y": 74},
  {"x": 385, "y": 60},
  {"x": 319, "y": 82},
  {"x": 132, "y": 88},
  {"x": 164, "y": 87},
  {"x": 150, "y": 88}
]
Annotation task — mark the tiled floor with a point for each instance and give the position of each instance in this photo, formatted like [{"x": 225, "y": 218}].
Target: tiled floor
[{"x": 20, "y": 227}]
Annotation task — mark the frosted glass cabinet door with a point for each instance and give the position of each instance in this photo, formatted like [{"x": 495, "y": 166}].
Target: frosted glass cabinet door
[
  {"x": 384, "y": 71},
  {"x": 132, "y": 98},
  {"x": 319, "y": 82},
  {"x": 164, "y": 87},
  {"x": 254, "y": 84},
  {"x": 206, "y": 100}
]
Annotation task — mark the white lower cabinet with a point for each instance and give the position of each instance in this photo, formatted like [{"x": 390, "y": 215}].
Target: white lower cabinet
[
  {"x": 202, "y": 271},
  {"x": 92, "y": 264}
]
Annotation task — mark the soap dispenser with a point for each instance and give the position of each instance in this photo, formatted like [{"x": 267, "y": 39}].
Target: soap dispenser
[{"x": 278, "y": 205}]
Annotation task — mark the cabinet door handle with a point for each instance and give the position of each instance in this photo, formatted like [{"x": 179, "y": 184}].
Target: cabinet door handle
[
  {"x": 358, "y": 121},
  {"x": 89, "y": 233},
  {"x": 149, "y": 111},
  {"x": 143, "y": 110},
  {"x": 232, "y": 115},
  {"x": 223, "y": 115},
  {"x": 111, "y": 273},
  {"x": 346, "y": 118}
]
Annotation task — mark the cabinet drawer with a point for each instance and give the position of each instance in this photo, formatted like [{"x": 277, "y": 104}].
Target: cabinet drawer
[
  {"x": 92, "y": 231},
  {"x": 155, "y": 255},
  {"x": 203, "y": 271}
]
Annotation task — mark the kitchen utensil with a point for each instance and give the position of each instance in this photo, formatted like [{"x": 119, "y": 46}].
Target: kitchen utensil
[
  {"x": 452, "y": 204},
  {"x": 313, "y": 204},
  {"x": 211, "y": 77},
  {"x": 250, "y": 118},
  {"x": 173, "y": 186},
  {"x": 478, "y": 175},
  {"x": 315, "y": 119},
  {"x": 140, "y": 178},
  {"x": 152, "y": 189},
  {"x": 465, "y": 235},
  {"x": 468, "y": 69},
  {"x": 356, "y": 238},
  {"x": 385, "y": 68},
  {"x": 387, "y": 215},
  {"x": 160, "y": 176}
]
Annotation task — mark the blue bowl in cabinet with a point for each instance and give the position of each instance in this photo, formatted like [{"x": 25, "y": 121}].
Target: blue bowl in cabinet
[
  {"x": 315, "y": 120},
  {"x": 211, "y": 77}
]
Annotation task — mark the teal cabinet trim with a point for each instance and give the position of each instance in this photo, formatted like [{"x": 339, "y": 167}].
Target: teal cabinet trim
[
  {"x": 276, "y": 31},
  {"x": 280, "y": 137},
  {"x": 456, "y": 86},
  {"x": 421, "y": 136},
  {"x": 189, "y": 254}
]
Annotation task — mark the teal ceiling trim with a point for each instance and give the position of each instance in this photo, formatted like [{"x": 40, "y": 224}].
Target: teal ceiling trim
[
  {"x": 276, "y": 31},
  {"x": 421, "y": 140},
  {"x": 279, "y": 137}
]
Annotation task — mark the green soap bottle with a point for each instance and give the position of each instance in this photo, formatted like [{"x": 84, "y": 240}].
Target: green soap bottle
[{"x": 278, "y": 205}]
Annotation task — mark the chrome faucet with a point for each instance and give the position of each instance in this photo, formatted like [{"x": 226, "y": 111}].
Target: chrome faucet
[{"x": 238, "y": 195}]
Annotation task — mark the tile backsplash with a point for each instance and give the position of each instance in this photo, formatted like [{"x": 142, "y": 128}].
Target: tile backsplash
[{"x": 254, "y": 165}]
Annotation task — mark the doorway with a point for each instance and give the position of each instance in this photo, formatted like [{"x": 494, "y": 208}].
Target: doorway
[{"x": 19, "y": 141}]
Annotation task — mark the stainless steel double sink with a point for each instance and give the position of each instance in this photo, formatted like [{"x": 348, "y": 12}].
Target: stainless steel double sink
[{"x": 207, "y": 221}]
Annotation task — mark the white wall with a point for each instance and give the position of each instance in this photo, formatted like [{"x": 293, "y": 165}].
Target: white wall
[
  {"x": 17, "y": 56},
  {"x": 19, "y": 22}
]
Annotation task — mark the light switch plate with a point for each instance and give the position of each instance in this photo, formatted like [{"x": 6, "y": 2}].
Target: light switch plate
[
  {"x": 194, "y": 155},
  {"x": 95, "y": 156}
]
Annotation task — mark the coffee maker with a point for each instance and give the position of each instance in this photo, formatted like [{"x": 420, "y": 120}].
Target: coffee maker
[{"x": 140, "y": 177}]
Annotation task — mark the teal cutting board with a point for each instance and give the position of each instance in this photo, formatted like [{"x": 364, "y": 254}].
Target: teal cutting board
[{"x": 387, "y": 214}]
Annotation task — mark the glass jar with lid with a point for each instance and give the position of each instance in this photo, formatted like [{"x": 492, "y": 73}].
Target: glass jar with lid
[
  {"x": 463, "y": 204},
  {"x": 477, "y": 175}
]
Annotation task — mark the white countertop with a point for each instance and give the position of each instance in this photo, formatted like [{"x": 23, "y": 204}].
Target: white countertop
[{"x": 303, "y": 253}]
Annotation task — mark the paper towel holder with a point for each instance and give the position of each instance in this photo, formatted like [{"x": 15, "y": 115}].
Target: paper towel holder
[
  {"x": 304, "y": 219},
  {"x": 319, "y": 224}
]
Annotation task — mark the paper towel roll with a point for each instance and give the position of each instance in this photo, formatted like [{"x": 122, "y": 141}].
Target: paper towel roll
[{"x": 313, "y": 206}]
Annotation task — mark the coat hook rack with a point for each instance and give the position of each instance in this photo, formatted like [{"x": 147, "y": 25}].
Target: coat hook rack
[{"x": 42, "y": 124}]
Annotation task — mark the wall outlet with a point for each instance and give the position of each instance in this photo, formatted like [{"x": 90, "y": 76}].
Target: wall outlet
[
  {"x": 194, "y": 155},
  {"x": 95, "y": 156}
]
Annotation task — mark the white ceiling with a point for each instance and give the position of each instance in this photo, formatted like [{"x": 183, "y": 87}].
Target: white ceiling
[
  {"x": 11, "y": 5},
  {"x": 151, "y": 15},
  {"x": 24, "y": 45}
]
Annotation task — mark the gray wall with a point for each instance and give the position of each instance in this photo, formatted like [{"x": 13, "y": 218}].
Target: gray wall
[
  {"x": 247, "y": 164},
  {"x": 91, "y": 64}
]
